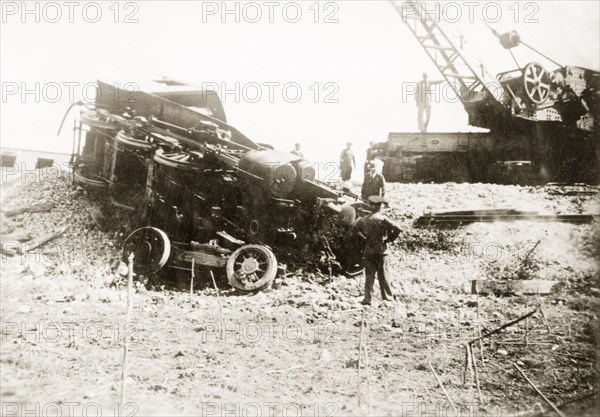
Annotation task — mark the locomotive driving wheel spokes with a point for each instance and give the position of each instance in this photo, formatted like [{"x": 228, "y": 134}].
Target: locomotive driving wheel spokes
[
  {"x": 537, "y": 82},
  {"x": 134, "y": 140},
  {"x": 251, "y": 268},
  {"x": 179, "y": 159}
]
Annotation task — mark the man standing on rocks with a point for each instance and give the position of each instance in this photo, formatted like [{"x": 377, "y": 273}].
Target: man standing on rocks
[{"x": 378, "y": 231}]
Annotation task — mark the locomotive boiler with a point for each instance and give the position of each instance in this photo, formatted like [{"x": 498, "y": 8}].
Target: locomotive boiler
[{"x": 204, "y": 194}]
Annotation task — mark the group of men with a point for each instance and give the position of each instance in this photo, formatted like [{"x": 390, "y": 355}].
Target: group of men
[
  {"x": 377, "y": 231},
  {"x": 374, "y": 182}
]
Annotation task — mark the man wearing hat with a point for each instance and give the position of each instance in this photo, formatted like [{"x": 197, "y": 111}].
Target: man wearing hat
[
  {"x": 347, "y": 163},
  {"x": 374, "y": 183},
  {"x": 377, "y": 231},
  {"x": 297, "y": 151}
]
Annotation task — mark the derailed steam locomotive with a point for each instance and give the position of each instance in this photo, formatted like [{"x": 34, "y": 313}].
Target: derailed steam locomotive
[{"x": 205, "y": 194}]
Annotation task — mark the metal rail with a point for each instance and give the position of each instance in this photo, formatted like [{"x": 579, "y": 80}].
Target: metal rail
[{"x": 456, "y": 220}]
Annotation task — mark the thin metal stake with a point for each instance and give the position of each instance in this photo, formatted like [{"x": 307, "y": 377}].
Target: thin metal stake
[
  {"x": 127, "y": 318},
  {"x": 192, "y": 277}
]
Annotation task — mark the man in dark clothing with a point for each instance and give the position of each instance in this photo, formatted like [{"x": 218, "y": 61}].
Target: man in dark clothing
[
  {"x": 377, "y": 231},
  {"x": 374, "y": 183},
  {"x": 347, "y": 163}
]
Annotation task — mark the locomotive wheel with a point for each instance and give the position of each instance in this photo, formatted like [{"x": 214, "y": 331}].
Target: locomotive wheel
[
  {"x": 151, "y": 248},
  {"x": 101, "y": 119},
  {"x": 537, "y": 82},
  {"x": 251, "y": 268},
  {"x": 132, "y": 142},
  {"x": 180, "y": 159},
  {"x": 89, "y": 181}
]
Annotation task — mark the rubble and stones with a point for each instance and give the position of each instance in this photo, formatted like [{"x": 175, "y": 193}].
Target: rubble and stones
[{"x": 308, "y": 319}]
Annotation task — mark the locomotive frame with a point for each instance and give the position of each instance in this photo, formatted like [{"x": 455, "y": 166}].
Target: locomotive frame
[{"x": 166, "y": 155}]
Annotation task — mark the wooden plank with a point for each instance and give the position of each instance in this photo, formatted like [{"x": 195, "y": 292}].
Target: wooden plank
[
  {"x": 14, "y": 237},
  {"x": 36, "y": 243},
  {"x": 532, "y": 286},
  {"x": 28, "y": 209}
]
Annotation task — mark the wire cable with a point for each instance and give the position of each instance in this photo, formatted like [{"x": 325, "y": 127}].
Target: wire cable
[
  {"x": 539, "y": 53},
  {"x": 496, "y": 34},
  {"x": 514, "y": 58}
]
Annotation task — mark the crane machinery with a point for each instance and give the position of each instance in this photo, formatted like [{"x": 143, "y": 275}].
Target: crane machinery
[{"x": 543, "y": 125}]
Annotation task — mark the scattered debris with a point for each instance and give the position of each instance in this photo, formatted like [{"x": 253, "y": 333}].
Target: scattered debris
[
  {"x": 504, "y": 326},
  {"x": 309, "y": 296},
  {"x": 525, "y": 263}
]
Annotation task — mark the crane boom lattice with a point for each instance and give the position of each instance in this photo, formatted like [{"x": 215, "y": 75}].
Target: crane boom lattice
[{"x": 468, "y": 84}]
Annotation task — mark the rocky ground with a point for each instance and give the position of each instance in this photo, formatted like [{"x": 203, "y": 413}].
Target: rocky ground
[{"x": 294, "y": 349}]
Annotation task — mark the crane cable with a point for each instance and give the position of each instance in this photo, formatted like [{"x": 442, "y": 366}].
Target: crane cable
[
  {"x": 539, "y": 53},
  {"x": 498, "y": 35},
  {"x": 514, "y": 58}
]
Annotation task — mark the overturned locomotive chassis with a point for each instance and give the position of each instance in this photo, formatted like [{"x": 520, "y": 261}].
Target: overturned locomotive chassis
[{"x": 201, "y": 194}]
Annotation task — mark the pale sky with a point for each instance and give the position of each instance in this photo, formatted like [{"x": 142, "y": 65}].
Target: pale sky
[{"x": 359, "y": 59}]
